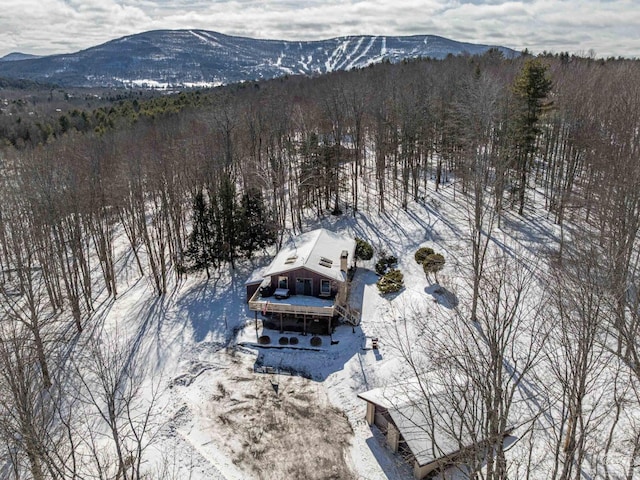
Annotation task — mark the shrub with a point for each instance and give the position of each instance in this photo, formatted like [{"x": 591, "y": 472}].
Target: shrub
[
  {"x": 433, "y": 264},
  {"x": 364, "y": 250},
  {"x": 422, "y": 253},
  {"x": 264, "y": 340},
  {"x": 386, "y": 263},
  {"x": 390, "y": 282},
  {"x": 283, "y": 341},
  {"x": 293, "y": 341},
  {"x": 316, "y": 341}
]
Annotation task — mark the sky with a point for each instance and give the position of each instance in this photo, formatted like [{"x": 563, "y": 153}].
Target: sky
[{"x": 586, "y": 27}]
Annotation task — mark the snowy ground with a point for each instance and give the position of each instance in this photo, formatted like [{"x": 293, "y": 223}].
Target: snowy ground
[{"x": 220, "y": 410}]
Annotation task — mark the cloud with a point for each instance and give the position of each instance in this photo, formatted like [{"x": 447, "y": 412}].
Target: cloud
[{"x": 63, "y": 26}]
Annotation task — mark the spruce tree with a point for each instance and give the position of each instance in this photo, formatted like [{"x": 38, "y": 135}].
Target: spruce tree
[{"x": 364, "y": 250}]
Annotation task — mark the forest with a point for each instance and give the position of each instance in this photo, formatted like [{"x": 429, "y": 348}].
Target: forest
[{"x": 200, "y": 180}]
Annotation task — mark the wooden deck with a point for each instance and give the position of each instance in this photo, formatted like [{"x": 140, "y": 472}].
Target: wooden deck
[{"x": 295, "y": 305}]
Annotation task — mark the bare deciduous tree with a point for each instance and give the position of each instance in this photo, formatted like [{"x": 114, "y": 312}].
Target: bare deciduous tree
[
  {"x": 110, "y": 392},
  {"x": 482, "y": 366}
]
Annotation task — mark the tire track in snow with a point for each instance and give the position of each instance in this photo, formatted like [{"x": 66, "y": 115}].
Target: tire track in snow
[{"x": 212, "y": 466}]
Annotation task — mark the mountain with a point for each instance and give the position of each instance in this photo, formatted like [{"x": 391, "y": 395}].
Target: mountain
[
  {"x": 165, "y": 58},
  {"x": 12, "y": 57}
]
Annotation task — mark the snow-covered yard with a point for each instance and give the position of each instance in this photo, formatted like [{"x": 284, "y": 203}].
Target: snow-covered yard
[
  {"x": 218, "y": 413},
  {"x": 228, "y": 408}
]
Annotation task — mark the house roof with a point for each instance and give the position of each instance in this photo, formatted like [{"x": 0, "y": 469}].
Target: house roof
[
  {"x": 256, "y": 277},
  {"x": 429, "y": 432},
  {"x": 318, "y": 250},
  {"x": 426, "y": 420}
]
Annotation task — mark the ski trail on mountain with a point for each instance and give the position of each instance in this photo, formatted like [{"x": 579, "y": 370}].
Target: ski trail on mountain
[
  {"x": 348, "y": 54},
  {"x": 208, "y": 39},
  {"x": 332, "y": 61},
  {"x": 364, "y": 52}
]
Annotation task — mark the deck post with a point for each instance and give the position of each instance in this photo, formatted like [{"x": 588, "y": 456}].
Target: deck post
[
  {"x": 281, "y": 329},
  {"x": 304, "y": 324}
]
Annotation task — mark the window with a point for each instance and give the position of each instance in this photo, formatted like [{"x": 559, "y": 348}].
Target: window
[
  {"x": 283, "y": 282},
  {"x": 325, "y": 288}
]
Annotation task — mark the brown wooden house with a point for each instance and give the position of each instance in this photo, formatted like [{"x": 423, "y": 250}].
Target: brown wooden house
[{"x": 307, "y": 282}]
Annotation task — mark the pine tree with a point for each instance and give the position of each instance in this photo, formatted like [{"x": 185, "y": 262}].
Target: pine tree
[
  {"x": 201, "y": 249},
  {"x": 391, "y": 282},
  {"x": 255, "y": 224},
  {"x": 532, "y": 87}
]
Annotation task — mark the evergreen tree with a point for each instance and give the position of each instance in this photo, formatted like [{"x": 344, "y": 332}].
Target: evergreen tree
[
  {"x": 364, "y": 250},
  {"x": 227, "y": 231},
  {"x": 215, "y": 217},
  {"x": 255, "y": 224},
  {"x": 532, "y": 87},
  {"x": 391, "y": 282},
  {"x": 201, "y": 249},
  {"x": 386, "y": 263},
  {"x": 422, "y": 253}
]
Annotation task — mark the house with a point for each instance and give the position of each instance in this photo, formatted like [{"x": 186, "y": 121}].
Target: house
[
  {"x": 254, "y": 282},
  {"x": 427, "y": 432},
  {"x": 307, "y": 283}
]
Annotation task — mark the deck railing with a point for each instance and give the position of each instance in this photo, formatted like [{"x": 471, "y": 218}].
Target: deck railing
[{"x": 279, "y": 306}]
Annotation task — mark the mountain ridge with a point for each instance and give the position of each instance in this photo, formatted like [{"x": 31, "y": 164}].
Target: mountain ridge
[
  {"x": 14, "y": 56},
  {"x": 188, "y": 58}
]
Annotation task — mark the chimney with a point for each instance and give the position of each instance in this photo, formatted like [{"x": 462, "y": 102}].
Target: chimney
[{"x": 343, "y": 261}]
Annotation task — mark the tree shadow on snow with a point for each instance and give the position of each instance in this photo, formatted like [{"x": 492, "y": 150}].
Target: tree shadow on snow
[
  {"x": 442, "y": 296},
  {"x": 216, "y": 308},
  {"x": 392, "y": 464}
]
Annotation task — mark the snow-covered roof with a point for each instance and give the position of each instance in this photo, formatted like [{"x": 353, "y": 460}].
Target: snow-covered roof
[
  {"x": 426, "y": 420},
  {"x": 429, "y": 433},
  {"x": 257, "y": 276},
  {"x": 318, "y": 250}
]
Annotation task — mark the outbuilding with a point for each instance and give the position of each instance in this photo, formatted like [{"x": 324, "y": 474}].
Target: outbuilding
[{"x": 424, "y": 431}]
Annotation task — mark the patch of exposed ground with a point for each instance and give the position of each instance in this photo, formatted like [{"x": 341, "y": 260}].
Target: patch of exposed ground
[{"x": 278, "y": 426}]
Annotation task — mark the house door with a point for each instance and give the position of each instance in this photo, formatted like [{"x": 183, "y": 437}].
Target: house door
[{"x": 303, "y": 286}]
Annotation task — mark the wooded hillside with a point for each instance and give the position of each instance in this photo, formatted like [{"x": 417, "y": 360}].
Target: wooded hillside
[{"x": 201, "y": 179}]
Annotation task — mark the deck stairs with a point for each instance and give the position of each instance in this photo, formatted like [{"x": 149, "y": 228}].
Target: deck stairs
[{"x": 349, "y": 316}]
